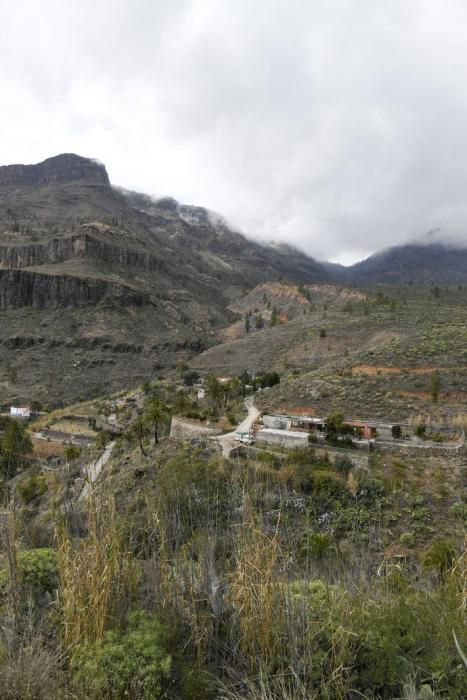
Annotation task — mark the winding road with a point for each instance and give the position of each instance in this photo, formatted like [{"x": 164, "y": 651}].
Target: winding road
[{"x": 228, "y": 441}]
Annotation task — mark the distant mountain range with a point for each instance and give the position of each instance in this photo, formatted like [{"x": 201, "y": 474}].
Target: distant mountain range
[{"x": 412, "y": 263}]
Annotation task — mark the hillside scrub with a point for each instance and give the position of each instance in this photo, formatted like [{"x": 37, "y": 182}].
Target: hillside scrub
[{"x": 188, "y": 576}]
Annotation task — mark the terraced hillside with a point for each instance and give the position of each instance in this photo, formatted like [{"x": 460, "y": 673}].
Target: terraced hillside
[{"x": 396, "y": 355}]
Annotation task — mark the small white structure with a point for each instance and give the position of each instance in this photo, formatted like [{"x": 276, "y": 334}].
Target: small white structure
[
  {"x": 201, "y": 393},
  {"x": 284, "y": 438},
  {"x": 20, "y": 411}
]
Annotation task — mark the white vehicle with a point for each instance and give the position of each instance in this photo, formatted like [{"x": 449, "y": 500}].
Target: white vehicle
[{"x": 246, "y": 438}]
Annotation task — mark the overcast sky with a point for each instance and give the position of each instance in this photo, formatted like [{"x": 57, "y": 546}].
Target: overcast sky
[{"x": 335, "y": 125}]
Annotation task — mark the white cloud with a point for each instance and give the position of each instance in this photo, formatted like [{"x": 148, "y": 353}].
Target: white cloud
[{"x": 338, "y": 127}]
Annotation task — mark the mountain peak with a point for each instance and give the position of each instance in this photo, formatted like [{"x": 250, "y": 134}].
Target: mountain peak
[{"x": 66, "y": 167}]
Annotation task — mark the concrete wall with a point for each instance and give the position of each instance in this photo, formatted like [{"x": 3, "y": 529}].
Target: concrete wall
[
  {"x": 284, "y": 440},
  {"x": 276, "y": 422},
  {"x": 183, "y": 428}
]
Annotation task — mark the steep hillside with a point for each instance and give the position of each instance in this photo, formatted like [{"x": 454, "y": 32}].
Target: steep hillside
[{"x": 100, "y": 287}]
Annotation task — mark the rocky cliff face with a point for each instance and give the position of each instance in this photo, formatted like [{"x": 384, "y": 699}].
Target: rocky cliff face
[
  {"x": 66, "y": 167},
  {"x": 19, "y": 288},
  {"x": 101, "y": 288},
  {"x": 58, "y": 250}
]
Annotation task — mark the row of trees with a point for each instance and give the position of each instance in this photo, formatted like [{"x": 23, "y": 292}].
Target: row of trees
[{"x": 156, "y": 415}]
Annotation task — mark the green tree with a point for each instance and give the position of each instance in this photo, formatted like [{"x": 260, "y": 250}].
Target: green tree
[
  {"x": 182, "y": 368},
  {"x": 420, "y": 430},
  {"x": 15, "y": 443},
  {"x": 214, "y": 390},
  {"x": 146, "y": 386},
  {"x": 181, "y": 402},
  {"x": 156, "y": 414},
  {"x": 274, "y": 316},
  {"x": 259, "y": 322},
  {"x": 137, "y": 433},
  {"x": 71, "y": 453}
]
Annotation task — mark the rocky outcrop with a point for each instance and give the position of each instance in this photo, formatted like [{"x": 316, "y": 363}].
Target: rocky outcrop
[
  {"x": 66, "y": 167},
  {"x": 102, "y": 343},
  {"x": 19, "y": 288},
  {"x": 59, "y": 250}
]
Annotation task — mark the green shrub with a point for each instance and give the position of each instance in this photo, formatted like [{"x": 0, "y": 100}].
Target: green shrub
[
  {"x": 420, "y": 430},
  {"x": 343, "y": 464},
  {"x": 39, "y": 569},
  {"x": 439, "y": 556},
  {"x": 317, "y": 545},
  {"x": 372, "y": 493},
  {"x": 32, "y": 487},
  {"x": 127, "y": 664},
  {"x": 407, "y": 538},
  {"x": 196, "y": 684},
  {"x": 459, "y": 510}
]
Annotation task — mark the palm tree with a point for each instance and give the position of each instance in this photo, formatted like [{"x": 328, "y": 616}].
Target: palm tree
[
  {"x": 214, "y": 390},
  {"x": 156, "y": 414},
  {"x": 180, "y": 402},
  {"x": 138, "y": 432}
]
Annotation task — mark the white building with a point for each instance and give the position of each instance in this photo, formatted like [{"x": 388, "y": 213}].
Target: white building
[
  {"x": 20, "y": 411},
  {"x": 284, "y": 438}
]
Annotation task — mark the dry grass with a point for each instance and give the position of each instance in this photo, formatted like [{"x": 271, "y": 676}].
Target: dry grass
[
  {"x": 31, "y": 669},
  {"x": 42, "y": 449},
  {"x": 74, "y": 427},
  {"x": 256, "y": 595},
  {"x": 96, "y": 574}
]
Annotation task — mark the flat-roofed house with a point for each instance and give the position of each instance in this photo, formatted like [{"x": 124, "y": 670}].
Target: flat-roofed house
[{"x": 21, "y": 411}]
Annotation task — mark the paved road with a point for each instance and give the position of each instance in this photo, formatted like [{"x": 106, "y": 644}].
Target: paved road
[
  {"x": 227, "y": 441},
  {"x": 94, "y": 469}
]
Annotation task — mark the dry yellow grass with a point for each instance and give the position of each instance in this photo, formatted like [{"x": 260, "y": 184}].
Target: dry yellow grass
[
  {"x": 74, "y": 427},
  {"x": 96, "y": 574}
]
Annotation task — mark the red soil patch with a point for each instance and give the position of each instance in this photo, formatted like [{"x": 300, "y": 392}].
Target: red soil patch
[{"x": 298, "y": 411}]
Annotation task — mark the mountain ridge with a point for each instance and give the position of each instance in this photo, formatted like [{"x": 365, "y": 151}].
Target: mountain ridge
[
  {"x": 81, "y": 260},
  {"x": 65, "y": 167},
  {"x": 415, "y": 262}
]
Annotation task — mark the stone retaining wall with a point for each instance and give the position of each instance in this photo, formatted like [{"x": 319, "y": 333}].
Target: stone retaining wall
[{"x": 421, "y": 450}]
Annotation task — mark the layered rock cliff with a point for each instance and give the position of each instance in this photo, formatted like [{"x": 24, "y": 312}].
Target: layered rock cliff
[
  {"x": 58, "y": 250},
  {"x": 19, "y": 288},
  {"x": 66, "y": 167}
]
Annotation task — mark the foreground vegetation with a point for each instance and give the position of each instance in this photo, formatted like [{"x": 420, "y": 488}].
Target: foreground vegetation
[{"x": 281, "y": 576}]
